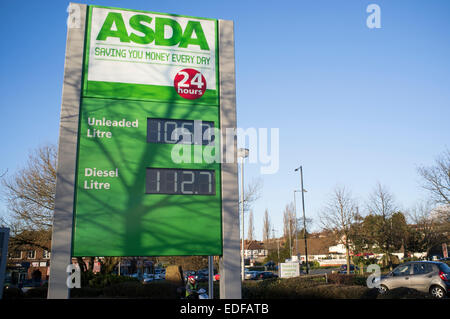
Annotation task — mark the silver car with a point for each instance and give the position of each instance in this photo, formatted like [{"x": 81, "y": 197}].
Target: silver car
[{"x": 426, "y": 276}]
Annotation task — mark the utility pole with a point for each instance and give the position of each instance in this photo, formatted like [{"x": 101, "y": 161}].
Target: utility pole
[
  {"x": 304, "y": 222},
  {"x": 304, "y": 218}
]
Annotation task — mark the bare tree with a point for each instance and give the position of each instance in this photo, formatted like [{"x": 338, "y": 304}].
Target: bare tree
[
  {"x": 252, "y": 193},
  {"x": 30, "y": 195},
  {"x": 382, "y": 206},
  {"x": 266, "y": 227},
  {"x": 437, "y": 178},
  {"x": 338, "y": 217},
  {"x": 251, "y": 227},
  {"x": 429, "y": 229},
  {"x": 381, "y": 202},
  {"x": 289, "y": 224}
]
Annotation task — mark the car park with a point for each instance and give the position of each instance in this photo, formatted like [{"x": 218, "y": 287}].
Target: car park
[
  {"x": 200, "y": 277},
  {"x": 188, "y": 273},
  {"x": 148, "y": 278},
  {"x": 266, "y": 275},
  {"x": 251, "y": 274},
  {"x": 160, "y": 273},
  {"x": 353, "y": 269},
  {"x": 425, "y": 276},
  {"x": 270, "y": 265}
]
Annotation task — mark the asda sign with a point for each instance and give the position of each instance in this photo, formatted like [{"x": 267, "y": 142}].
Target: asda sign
[
  {"x": 140, "y": 55},
  {"x": 146, "y": 77},
  {"x": 114, "y": 27}
]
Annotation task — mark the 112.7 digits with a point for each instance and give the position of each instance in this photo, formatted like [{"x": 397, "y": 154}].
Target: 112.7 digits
[{"x": 180, "y": 181}]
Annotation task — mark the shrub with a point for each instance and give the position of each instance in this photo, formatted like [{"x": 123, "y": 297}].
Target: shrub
[
  {"x": 12, "y": 293},
  {"x": 104, "y": 280},
  {"x": 86, "y": 292},
  {"x": 300, "y": 288},
  {"x": 155, "y": 290},
  {"x": 404, "y": 293},
  {"x": 39, "y": 292},
  {"x": 344, "y": 279},
  {"x": 404, "y": 260},
  {"x": 394, "y": 260}
]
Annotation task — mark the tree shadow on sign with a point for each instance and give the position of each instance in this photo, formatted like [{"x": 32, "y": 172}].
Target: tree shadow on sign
[{"x": 134, "y": 225}]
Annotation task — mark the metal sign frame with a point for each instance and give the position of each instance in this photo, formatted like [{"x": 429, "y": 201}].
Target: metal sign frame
[
  {"x": 4, "y": 240},
  {"x": 61, "y": 251}
]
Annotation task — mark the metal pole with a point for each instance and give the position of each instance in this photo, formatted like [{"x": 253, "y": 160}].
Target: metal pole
[
  {"x": 304, "y": 220},
  {"x": 242, "y": 220},
  {"x": 61, "y": 250},
  {"x": 230, "y": 279},
  {"x": 211, "y": 277},
  {"x": 4, "y": 238}
]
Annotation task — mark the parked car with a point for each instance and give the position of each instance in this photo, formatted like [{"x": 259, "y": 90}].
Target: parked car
[
  {"x": 266, "y": 275},
  {"x": 148, "y": 278},
  {"x": 270, "y": 265},
  {"x": 188, "y": 273},
  {"x": 251, "y": 274},
  {"x": 160, "y": 273},
  {"x": 30, "y": 284},
  {"x": 201, "y": 276},
  {"x": 343, "y": 269},
  {"x": 427, "y": 276}
]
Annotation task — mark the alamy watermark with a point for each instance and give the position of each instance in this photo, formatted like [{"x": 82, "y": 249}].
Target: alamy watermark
[
  {"x": 200, "y": 142},
  {"x": 373, "y": 21},
  {"x": 74, "y": 278},
  {"x": 373, "y": 281}
]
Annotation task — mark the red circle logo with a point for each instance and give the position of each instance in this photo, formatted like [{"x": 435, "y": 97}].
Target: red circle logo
[{"x": 190, "y": 84}]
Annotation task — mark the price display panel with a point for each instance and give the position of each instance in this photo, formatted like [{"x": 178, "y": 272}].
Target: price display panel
[{"x": 180, "y": 181}]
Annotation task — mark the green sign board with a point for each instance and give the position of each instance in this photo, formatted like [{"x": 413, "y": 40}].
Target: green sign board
[{"x": 148, "y": 174}]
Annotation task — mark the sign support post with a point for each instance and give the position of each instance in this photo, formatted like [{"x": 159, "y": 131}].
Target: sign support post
[
  {"x": 230, "y": 277},
  {"x": 4, "y": 239},
  {"x": 61, "y": 250}
]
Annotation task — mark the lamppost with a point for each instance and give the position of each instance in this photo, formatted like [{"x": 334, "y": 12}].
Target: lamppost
[
  {"x": 242, "y": 154},
  {"x": 304, "y": 219}
]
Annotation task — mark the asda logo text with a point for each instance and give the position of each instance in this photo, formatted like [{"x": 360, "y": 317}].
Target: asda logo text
[{"x": 145, "y": 29}]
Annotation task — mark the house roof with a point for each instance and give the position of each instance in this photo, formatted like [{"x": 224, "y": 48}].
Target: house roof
[{"x": 316, "y": 246}]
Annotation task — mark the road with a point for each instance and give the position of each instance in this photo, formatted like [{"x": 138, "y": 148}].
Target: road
[{"x": 320, "y": 271}]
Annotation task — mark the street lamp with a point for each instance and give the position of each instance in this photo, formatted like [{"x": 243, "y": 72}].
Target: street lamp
[
  {"x": 242, "y": 154},
  {"x": 304, "y": 219}
]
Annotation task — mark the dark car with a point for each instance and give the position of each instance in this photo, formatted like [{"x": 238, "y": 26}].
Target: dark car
[
  {"x": 343, "y": 269},
  {"x": 201, "y": 276},
  {"x": 188, "y": 273},
  {"x": 266, "y": 275}
]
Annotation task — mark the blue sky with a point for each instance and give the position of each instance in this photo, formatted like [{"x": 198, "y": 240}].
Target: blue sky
[{"x": 355, "y": 106}]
